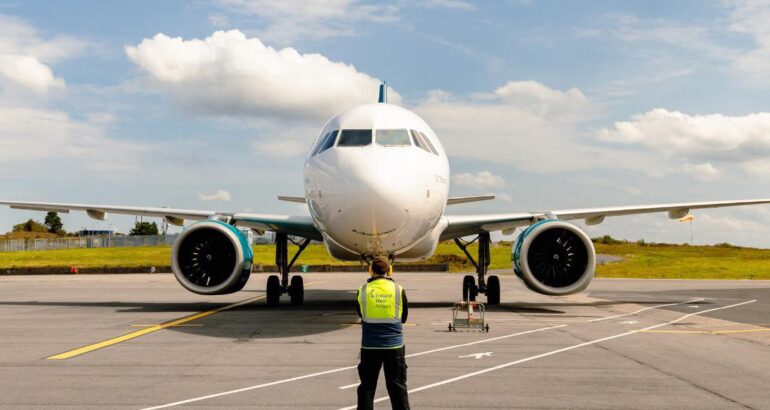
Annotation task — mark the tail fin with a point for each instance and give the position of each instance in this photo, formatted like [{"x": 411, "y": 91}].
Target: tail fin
[{"x": 383, "y": 93}]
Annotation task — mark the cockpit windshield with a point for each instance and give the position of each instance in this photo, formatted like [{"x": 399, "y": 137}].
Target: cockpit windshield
[
  {"x": 393, "y": 138},
  {"x": 325, "y": 143},
  {"x": 355, "y": 138}
]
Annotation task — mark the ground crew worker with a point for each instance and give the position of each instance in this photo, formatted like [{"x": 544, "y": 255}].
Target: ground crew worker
[{"x": 383, "y": 308}]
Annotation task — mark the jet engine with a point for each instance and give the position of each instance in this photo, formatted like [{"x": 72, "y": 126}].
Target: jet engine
[
  {"x": 554, "y": 257},
  {"x": 211, "y": 258}
]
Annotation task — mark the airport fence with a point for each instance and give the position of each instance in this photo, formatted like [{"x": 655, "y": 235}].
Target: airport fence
[
  {"x": 120, "y": 241},
  {"x": 48, "y": 244}
]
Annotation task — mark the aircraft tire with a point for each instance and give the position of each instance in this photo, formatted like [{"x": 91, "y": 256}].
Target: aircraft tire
[
  {"x": 493, "y": 290},
  {"x": 469, "y": 288},
  {"x": 297, "y": 290},
  {"x": 273, "y": 290}
]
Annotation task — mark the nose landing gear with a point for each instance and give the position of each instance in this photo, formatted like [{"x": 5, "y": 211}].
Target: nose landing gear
[
  {"x": 488, "y": 286},
  {"x": 277, "y": 286}
]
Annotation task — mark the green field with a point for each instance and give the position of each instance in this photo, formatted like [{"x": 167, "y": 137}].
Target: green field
[{"x": 639, "y": 261}]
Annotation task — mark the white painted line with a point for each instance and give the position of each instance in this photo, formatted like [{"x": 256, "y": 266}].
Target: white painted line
[
  {"x": 471, "y": 344},
  {"x": 476, "y": 355},
  {"x": 259, "y": 386},
  {"x": 349, "y": 386},
  {"x": 308, "y": 376},
  {"x": 485, "y": 340},
  {"x": 553, "y": 352},
  {"x": 642, "y": 310}
]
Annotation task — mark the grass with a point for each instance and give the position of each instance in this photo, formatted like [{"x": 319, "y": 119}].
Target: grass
[
  {"x": 685, "y": 262},
  {"x": 639, "y": 261}
]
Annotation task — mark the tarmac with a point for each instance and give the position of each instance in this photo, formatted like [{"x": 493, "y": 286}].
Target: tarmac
[{"x": 142, "y": 341}]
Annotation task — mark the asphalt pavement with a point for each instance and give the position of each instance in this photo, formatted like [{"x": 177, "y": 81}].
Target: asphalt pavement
[{"x": 141, "y": 341}]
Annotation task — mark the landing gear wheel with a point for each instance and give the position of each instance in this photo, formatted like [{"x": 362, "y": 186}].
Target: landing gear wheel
[
  {"x": 469, "y": 288},
  {"x": 273, "y": 290},
  {"x": 493, "y": 290},
  {"x": 297, "y": 290}
]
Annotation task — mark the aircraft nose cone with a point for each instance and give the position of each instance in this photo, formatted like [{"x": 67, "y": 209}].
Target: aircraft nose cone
[{"x": 377, "y": 202}]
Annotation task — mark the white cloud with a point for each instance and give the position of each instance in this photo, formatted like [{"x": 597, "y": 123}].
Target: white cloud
[
  {"x": 481, "y": 179},
  {"x": 28, "y": 134},
  {"x": 228, "y": 73},
  {"x": 711, "y": 137},
  {"x": 523, "y": 123},
  {"x": 218, "y": 20},
  {"x": 25, "y": 57},
  {"x": 220, "y": 195},
  {"x": 449, "y": 4},
  {"x": 704, "y": 172},
  {"x": 751, "y": 17},
  {"x": 287, "y": 21}
]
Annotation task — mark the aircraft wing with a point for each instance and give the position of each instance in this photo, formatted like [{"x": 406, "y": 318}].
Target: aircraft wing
[
  {"x": 464, "y": 225},
  {"x": 298, "y": 225}
]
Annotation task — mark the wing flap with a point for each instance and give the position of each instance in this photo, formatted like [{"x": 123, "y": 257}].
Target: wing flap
[
  {"x": 289, "y": 224},
  {"x": 465, "y": 225}
]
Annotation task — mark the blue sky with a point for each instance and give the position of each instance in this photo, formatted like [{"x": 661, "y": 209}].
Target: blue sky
[{"x": 553, "y": 104}]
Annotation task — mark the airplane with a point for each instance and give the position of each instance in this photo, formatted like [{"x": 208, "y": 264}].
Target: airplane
[{"x": 376, "y": 182}]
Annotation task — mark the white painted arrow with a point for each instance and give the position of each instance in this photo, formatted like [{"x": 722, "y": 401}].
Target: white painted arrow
[{"x": 476, "y": 355}]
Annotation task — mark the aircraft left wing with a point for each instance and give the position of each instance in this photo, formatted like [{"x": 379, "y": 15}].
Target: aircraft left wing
[
  {"x": 464, "y": 225},
  {"x": 298, "y": 225}
]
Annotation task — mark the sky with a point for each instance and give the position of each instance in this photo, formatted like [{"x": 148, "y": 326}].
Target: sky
[{"x": 547, "y": 104}]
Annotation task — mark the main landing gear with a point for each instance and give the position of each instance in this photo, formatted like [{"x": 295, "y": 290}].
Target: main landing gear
[
  {"x": 489, "y": 286},
  {"x": 277, "y": 286}
]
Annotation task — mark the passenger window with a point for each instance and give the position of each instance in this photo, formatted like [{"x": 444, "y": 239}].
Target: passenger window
[
  {"x": 355, "y": 138},
  {"x": 328, "y": 141},
  {"x": 419, "y": 142},
  {"x": 393, "y": 138},
  {"x": 428, "y": 143}
]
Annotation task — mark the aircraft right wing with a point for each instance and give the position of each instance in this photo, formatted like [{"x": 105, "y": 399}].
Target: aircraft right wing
[
  {"x": 465, "y": 225},
  {"x": 296, "y": 225}
]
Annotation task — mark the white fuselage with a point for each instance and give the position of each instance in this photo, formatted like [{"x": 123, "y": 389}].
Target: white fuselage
[{"x": 381, "y": 197}]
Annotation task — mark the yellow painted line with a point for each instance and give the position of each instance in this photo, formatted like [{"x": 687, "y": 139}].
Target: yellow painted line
[
  {"x": 182, "y": 325},
  {"x": 133, "y": 335},
  {"x": 154, "y": 328},
  {"x": 706, "y": 332}
]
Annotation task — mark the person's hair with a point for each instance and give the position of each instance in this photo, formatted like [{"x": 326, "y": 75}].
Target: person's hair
[{"x": 380, "y": 265}]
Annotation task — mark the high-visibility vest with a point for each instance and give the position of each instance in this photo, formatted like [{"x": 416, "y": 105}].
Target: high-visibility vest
[{"x": 380, "y": 301}]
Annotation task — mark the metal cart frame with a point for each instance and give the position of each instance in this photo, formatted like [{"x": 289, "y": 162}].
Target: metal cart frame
[{"x": 469, "y": 316}]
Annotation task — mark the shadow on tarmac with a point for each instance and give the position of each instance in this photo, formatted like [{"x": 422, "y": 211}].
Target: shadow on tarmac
[{"x": 324, "y": 311}]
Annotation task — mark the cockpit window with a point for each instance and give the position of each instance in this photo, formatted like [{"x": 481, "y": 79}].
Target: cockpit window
[
  {"x": 423, "y": 142},
  {"x": 419, "y": 142},
  {"x": 393, "y": 138},
  {"x": 326, "y": 142},
  {"x": 355, "y": 138}
]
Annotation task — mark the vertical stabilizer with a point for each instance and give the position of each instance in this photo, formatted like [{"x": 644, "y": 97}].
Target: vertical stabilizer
[{"x": 383, "y": 93}]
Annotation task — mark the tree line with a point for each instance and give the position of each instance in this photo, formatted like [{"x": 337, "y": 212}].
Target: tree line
[{"x": 52, "y": 224}]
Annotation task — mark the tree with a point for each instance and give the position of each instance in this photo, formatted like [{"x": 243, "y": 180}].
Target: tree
[
  {"x": 144, "y": 228},
  {"x": 54, "y": 224},
  {"x": 30, "y": 226}
]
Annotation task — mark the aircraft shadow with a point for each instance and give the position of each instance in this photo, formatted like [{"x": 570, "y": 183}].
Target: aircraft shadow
[{"x": 323, "y": 311}]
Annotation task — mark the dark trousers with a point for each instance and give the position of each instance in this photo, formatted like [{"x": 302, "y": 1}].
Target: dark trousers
[{"x": 394, "y": 361}]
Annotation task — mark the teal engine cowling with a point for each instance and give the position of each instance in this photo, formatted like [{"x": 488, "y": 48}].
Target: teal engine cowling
[
  {"x": 212, "y": 258},
  {"x": 554, "y": 257}
]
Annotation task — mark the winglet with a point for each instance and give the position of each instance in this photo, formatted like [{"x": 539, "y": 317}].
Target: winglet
[{"x": 383, "y": 98}]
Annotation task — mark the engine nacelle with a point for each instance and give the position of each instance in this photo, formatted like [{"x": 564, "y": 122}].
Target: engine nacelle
[
  {"x": 554, "y": 257},
  {"x": 211, "y": 258}
]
